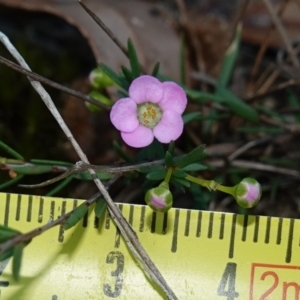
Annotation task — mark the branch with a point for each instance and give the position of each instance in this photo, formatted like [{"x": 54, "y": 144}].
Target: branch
[{"x": 129, "y": 235}]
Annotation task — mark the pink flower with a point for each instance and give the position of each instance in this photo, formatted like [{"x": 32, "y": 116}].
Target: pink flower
[{"x": 153, "y": 109}]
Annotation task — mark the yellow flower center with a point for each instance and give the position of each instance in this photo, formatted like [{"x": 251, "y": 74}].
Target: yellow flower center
[{"x": 149, "y": 114}]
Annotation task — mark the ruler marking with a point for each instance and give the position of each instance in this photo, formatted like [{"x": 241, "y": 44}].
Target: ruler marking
[
  {"x": 142, "y": 219},
  {"x": 18, "y": 208},
  {"x": 279, "y": 231},
  {"x": 210, "y": 225},
  {"x": 85, "y": 220},
  {"x": 107, "y": 220},
  {"x": 131, "y": 211},
  {"x": 165, "y": 223},
  {"x": 29, "y": 209},
  {"x": 222, "y": 227},
  {"x": 175, "y": 231},
  {"x": 61, "y": 227},
  {"x": 75, "y": 203},
  {"x": 232, "y": 236},
  {"x": 268, "y": 228},
  {"x": 118, "y": 235},
  {"x": 245, "y": 226},
  {"x": 187, "y": 223},
  {"x": 153, "y": 221},
  {"x": 288, "y": 256},
  {"x": 199, "y": 221},
  {"x": 52, "y": 208},
  {"x": 6, "y": 212},
  {"x": 256, "y": 229},
  {"x": 41, "y": 210}
]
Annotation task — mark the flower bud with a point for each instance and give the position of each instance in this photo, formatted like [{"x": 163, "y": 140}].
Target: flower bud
[
  {"x": 99, "y": 80},
  {"x": 160, "y": 198},
  {"x": 248, "y": 192},
  {"x": 99, "y": 97}
]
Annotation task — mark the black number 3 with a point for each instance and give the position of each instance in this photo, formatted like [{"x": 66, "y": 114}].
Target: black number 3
[{"x": 111, "y": 257}]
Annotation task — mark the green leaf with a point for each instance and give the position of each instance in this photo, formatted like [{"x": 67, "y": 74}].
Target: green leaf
[
  {"x": 230, "y": 59},
  {"x": 5, "y": 255},
  {"x": 157, "y": 175},
  {"x": 189, "y": 117},
  {"x": 194, "y": 156},
  {"x": 194, "y": 167},
  {"x": 32, "y": 169},
  {"x": 17, "y": 260},
  {"x": 203, "y": 97},
  {"x": 169, "y": 159},
  {"x": 100, "y": 207},
  {"x": 133, "y": 59},
  {"x": 179, "y": 174},
  {"x": 152, "y": 152},
  {"x": 117, "y": 79},
  {"x": 179, "y": 181},
  {"x": 146, "y": 170},
  {"x": 155, "y": 70},
  {"x": 237, "y": 105},
  {"x": 85, "y": 175},
  {"x": 10, "y": 151},
  {"x": 127, "y": 74},
  {"x": 7, "y": 233},
  {"x": 76, "y": 216}
]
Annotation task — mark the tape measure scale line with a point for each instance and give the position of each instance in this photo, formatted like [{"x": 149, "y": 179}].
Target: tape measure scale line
[
  {"x": 175, "y": 226},
  {"x": 198, "y": 252}
]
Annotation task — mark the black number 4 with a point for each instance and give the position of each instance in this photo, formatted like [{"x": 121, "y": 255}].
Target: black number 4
[{"x": 228, "y": 279}]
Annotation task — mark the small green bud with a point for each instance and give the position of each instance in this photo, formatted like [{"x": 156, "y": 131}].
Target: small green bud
[
  {"x": 99, "y": 80},
  {"x": 99, "y": 97},
  {"x": 160, "y": 198},
  {"x": 247, "y": 192}
]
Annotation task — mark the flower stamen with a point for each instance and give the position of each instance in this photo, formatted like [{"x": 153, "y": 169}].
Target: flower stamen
[{"x": 149, "y": 114}]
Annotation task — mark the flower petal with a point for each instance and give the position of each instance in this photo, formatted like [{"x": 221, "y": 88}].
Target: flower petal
[
  {"x": 169, "y": 128},
  {"x": 140, "y": 137},
  {"x": 123, "y": 115},
  {"x": 174, "y": 97},
  {"x": 146, "y": 89}
]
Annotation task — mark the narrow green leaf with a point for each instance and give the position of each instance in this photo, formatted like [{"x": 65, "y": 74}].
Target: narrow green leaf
[
  {"x": 127, "y": 74},
  {"x": 194, "y": 156},
  {"x": 17, "y": 260},
  {"x": 76, "y": 216},
  {"x": 203, "y": 97},
  {"x": 60, "y": 186},
  {"x": 155, "y": 70},
  {"x": 261, "y": 129},
  {"x": 157, "y": 175},
  {"x": 5, "y": 255},
  {"x": 100, "y": 207},
  {"x": 179, "y": 174},
  {"x": 117, "y": 79},
  {"x": 51, "y": 162},
  {"x": 85, "y": 175},
  {"x": 180, "y": 181},
  {"x": 230, "y": 59},
  {"x": 169, "y": 159},
  {"x": 189, "y": 117},
  {"x": 194, "y": 167},
  {"x": 146, "y": 170},
  {"x": 237, "y": 105},
  {"x": 133, "y": 59},
  {"x": 29, "y": 169},
  {"x": 121, "y": 152},
  {"x": 11, "y": 151},
  {"x": 11, "y": 182}
]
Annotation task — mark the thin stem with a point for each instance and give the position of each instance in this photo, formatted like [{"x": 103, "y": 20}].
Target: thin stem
[
  {"x": 211, "y": 185},
  {"x": 168, "y": 175}
]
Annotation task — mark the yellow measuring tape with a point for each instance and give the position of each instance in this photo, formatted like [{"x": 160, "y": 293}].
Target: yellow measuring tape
[{"x": 202, "y": 255}]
